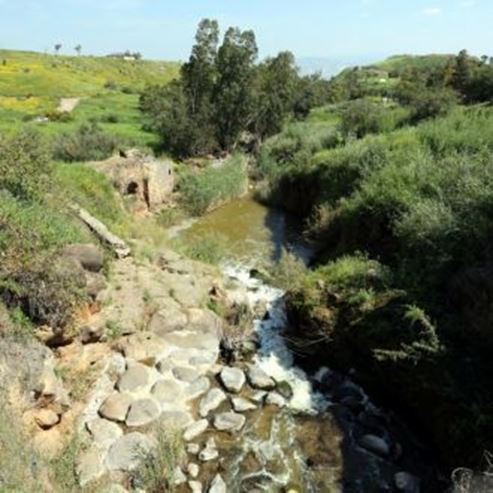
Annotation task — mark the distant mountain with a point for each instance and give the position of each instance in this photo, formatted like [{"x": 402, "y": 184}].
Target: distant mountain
[{"x": 330, "y": 66}]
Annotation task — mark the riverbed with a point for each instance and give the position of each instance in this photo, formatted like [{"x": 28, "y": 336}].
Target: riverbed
[{"x": 330, "y": 436}]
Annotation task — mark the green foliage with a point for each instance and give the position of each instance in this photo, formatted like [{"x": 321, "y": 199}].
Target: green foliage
[
  {"x": 24, "y": 162},
  {"x": 88, "y": 143},
  {"x": 201, "y": 190}
]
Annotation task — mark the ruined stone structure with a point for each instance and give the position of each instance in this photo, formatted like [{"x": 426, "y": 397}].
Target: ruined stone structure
[{"x": 148, "y": 180}]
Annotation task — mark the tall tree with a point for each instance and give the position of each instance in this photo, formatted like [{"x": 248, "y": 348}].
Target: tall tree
[
  {"x": 58, "y": 47},
  {"x": 234, "y": 91},
  {"x": 463, "y": 72},
  {"x": 78, "y": 49},
  {"x": 276, "y": 86}
]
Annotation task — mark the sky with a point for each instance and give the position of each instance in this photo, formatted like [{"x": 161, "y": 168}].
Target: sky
[{"x": 164, "y": 29}]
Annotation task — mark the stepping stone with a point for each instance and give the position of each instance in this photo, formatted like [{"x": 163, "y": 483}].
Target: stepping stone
[
  {"x": 167, "y": 391},
  {"x": 193, "y": 340},
  {"x": 375, "y": 444},
  {"x": 104, "y": 432},
  {"x": 275, "y": 399},
  {"x": 197, "y": 388},
  {"x": 229, "y": 421},
  {"x": 218, "y": 485},
  {"x": 143, "y": 347},
  {"x": 135, "y": 378},
  {"x": 115, "y": 407},
  {"x": 258, "y": 396},
  {"x": 142, "y": 412},
  {"x": 206, "y": 358},
  {"x": 259, "y": 379},
  {"x": 193, "y": 448},
  {"x": 233, "y": 379},
  {"x": 209, "y": 452},
  {"x": 242, "y": 405},
  {"x": 89, "y": 466},
  {"x": 185, "y": 373},
  {"x": 195, "y": 429},
  {"x": 176, "y": 419},
  {"x": 195, "y": 486},
  {"x": 193, "y": 470},
  {"x": 211, "y": 401},
  {"x": 127, "y": 452}
]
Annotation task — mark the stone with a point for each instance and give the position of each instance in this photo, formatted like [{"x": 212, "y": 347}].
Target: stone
[
  {"x": 242, "y": 405},
  {"x": 193, "y": 448},
  {"x": 179, "y": 477},
  {"x": 89, "y": 334},
  {"x": 258, "y": 396},
  {"x": 167, "y": 391},
  {"x": 218, "y": 485},
  {"x": 209, "y": 452},
  {"x": 176, "y": 419},
  {"x": 135, "y": 378},
  {"x": 375, "y": 444},
  {"x": 195, "y": 429},
  {"x": 259, "y": 379},
  {"x": 168, "y": 320},
  {"x": 142, "y": 412},
  {"x": 115, "y": 407},
  {"x": 104, "y": 432},
  {"x": 185, "y": 373},
  {"x": 46, "y": 418},
  {"x": 127, "y": 452},
  {"x": 197, "y": 388},
  {"x": 233, "y": 379},
  {"x": 87, "y": 255},
  {"x": 204, "y": 321},
  {"x": 95, "y": 283},
  {"x": 89, "y": 466},
  {"x": 195, "y": 486},
  {"x": 229, "y": 421},
  {"x": 144, "y": 347},
  {"x": 275, "y": 399},
  {"x": 211, "y": 401},
  {"x": 407, "y": 482},
  {"x": 193, "y": 470}
]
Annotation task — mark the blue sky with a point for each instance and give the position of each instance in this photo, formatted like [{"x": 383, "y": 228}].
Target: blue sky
[{"x": 164, "y": 29}]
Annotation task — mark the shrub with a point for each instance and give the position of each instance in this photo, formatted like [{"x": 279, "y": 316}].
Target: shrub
[
  {"x": 201, "y": 190},
  {"x": 88, "y": 143},
  {"x": 210, "y": 249}
]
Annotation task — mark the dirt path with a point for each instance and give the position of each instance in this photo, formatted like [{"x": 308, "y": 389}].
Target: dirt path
[{"x": 67, "y": 105}]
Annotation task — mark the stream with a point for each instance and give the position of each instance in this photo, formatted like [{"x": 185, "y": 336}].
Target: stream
[{"x": 330, "y": 436}]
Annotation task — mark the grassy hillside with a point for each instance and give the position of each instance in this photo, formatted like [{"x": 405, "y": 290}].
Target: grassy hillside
[{"x": 32, "y": 84}]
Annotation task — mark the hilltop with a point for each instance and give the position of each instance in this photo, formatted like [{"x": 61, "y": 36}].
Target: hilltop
[{"x": 32, "y": 85}]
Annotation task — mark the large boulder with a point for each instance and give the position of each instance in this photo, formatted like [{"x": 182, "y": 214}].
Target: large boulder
[{"x": 89, "y": 256}]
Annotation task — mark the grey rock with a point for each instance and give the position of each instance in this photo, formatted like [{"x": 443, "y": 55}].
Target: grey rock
[
  {"x": 104, "y": 432},
  {"x": 115, "y": 407},
  {"x": 197, "y": 388},
  {"x": 142, "y": 412},
  {"x": 88, "y": 256},
  {"x": 211, "y": 401},
  {"x": 229, "y": 421},
  {"x": 135, "y": 378},
  {"x": 185, "y": 373},
  {"x": 209, "y": 452},
  {"x": 407, "y": 482},
  {"x": 168, "y": 320},
  {"x": 95, "y": 283},
  {"x": 242, "y": 405},
  {"x": 375, "y": 444},
  {"x": 193, "y": 448},
  {"x": 233, "y": 379},
  {"x": 167, "y": 391},
  {"x": 258, "y": 396},
  {"x": 176, "y": 419},
  {"x": 275, "y": 399},
  {"x": 195, "y": 429},
  {"x": 179, "y": 476},
  {"x": 195, "y": 486},
  {"x": 218, "y": 485},
  {"x": 127, "y": 452},
  {"x": 259, "y": 379},
  {"x": 89, "y": 466}
]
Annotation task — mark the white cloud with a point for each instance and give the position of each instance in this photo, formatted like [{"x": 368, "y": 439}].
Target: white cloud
[{"x": 432, "y": 11}]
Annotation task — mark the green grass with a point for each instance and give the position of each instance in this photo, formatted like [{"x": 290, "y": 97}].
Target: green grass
[{"x": 31, "y": 85}]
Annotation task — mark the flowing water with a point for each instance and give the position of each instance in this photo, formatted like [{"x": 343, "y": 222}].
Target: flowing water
[{"x": 309, "y": 446}]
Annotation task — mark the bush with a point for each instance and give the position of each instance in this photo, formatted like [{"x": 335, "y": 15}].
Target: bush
[
  {"x": 201, "y": 190},
  {"x": 88, "y": 143},
  {"x": 24, "y": 165},
  {"x": 210, "y": 249}
]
